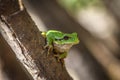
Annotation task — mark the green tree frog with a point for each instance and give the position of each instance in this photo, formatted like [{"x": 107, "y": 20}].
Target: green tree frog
[{"x": 60, "y": 42}]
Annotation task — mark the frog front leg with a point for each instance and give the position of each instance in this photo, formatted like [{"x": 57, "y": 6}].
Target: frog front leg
[{"x": 49, "y": 46}]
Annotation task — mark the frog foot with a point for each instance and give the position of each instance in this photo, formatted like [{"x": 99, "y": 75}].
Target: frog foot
[
  {"x": 57, "y": 56},
  {"x": 60, "y": 58},
  {"x": 50, "y": 48}
]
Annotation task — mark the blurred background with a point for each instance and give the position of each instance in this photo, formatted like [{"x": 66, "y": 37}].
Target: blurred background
[{"x": 97, "y": 55}]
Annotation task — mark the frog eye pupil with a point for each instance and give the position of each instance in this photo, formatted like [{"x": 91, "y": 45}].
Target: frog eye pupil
[{"x": 66, "y": 37}]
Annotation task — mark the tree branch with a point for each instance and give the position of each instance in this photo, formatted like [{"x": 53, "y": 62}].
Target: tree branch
[{"x": 24, "y": 38}]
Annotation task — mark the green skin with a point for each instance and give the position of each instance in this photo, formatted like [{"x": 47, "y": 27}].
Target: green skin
[{"x": 60, "y": 42}]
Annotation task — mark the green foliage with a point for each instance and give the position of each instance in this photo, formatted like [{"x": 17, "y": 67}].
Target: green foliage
[{"x": 74, "y": 5}]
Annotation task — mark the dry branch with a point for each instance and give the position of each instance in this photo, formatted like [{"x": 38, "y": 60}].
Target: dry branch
[{"x": 24, "y": 38}]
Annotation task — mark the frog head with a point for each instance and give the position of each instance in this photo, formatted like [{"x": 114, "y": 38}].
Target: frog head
[{"x": 64, "y": 43}]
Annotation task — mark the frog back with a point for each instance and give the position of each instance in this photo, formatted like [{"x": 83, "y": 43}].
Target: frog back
[{"x": 53, "y": 34}]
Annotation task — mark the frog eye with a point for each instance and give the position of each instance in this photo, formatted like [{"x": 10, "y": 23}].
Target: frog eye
[{"x": 66, "y": 37}]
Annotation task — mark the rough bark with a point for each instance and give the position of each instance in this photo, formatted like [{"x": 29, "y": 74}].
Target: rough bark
[
  {"x": 24, "y": 38},
  {"x": 10, "y": 66}
]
